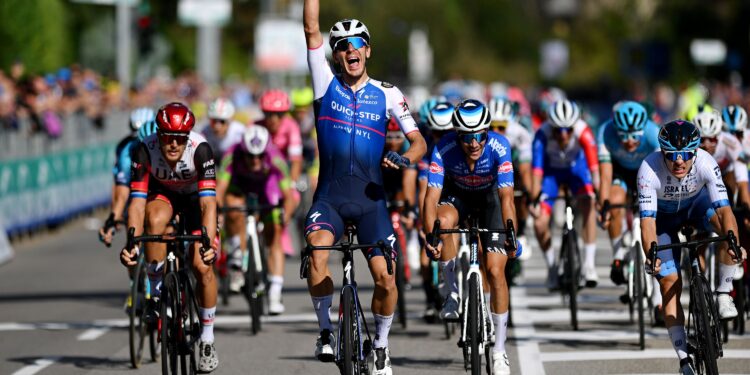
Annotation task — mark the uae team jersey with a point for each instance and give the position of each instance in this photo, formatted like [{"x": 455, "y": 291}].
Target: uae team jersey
[
  {"x": 194, "y": 172},
  {"x": 493, "y": 169},
  {"x": 547, "y": 153},
  {"x": 659, "y": 190},
  {"x": 351, "y": 126}
]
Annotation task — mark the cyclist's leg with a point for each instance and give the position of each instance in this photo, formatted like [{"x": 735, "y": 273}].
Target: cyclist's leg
[
  {"x": 495, "y": 260},
  {"x": 450, "y": 210},
  {"x": 581, "y": 185},
  {"x": 670, "y": 281},
  {"x": 550, "y": 189},
  {"x": 322, "y": 227},
  {"x": 618, "y": 194},
  {"x": 273, "y": 231},
  {"x": 727, "y": 266},
  {"x": 235, "y": 223},
  {"x": 158, "y": 214}
]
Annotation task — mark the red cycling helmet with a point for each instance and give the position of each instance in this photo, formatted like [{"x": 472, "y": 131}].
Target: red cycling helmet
[
  {"x": 175, "y": 118},
  {"x": 393, "y": 125},
  {"x": 274, "y": 101}
]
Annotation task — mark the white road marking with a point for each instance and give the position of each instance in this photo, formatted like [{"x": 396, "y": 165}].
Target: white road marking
[
  {"x": 92, "y": 334},
  {"x": 523, "y": 330},
  {"x": 39, "y": 365},
  {"x": 605, "y": 355}
]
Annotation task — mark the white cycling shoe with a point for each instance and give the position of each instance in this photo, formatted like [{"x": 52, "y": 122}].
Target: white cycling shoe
[
  {"x": 726, "y": 307},
  {"x": 450, "y": 308},
  {"x": 324, "y": 346},
  {"x": 379, "y": 361},
  {"x": 500, "y": 364},
  {"x": 275, "y": 307}
]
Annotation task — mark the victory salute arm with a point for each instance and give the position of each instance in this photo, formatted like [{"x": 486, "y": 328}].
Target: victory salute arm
[{"x": 312, "y": 26}]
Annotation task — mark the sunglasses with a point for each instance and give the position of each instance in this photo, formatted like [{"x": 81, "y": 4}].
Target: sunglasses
[
  {"x": 467, "y": 138},
  {"x": 219, "y": 121},
  {"x": 502, "y": 124},
  {"x": 563, "y": 130},
  {"x": 255, "y": 156},
  {"x": 625, "y": 137},
  {"x": 674, "y": 155},
  {"x": 273, "y": 114},
  {"x": 168, "y": 138},
  {"x": 356, "y": 42}
]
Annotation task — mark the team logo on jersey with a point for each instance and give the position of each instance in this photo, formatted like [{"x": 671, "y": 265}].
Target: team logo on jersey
[
  {"x": 435, "y": 168},
  {"x": 386, "y": 85},
  {"x": 404, "y": 105},
  {"x": 506, "y": 167}
]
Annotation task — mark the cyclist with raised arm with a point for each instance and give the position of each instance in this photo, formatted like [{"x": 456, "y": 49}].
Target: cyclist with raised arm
[
  {"x": 564, "y": 152},
  {"x": 256, "y": 167},
  {"x": 679, "y": 185},
  {"x": 437, "y": 116},
  {"x": 471, "y": 171},
  {"x": 505, "y": 122},
  {"x": 173, "y": 171},
  {"x": 222, "y": 132},
  {"x": 352, "y": 111},
  {"x": 141, "y": 125}
]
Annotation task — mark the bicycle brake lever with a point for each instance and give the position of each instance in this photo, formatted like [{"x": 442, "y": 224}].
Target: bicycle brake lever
[
  {"x": 304, "y": 264},
  {"x": 387, "y": 255},
  {"x": 737, "y": 257},
  {"x": 131, "y": 239},
  {"x": 652, "y": 256},
  {"x": 511, "y": 234}
]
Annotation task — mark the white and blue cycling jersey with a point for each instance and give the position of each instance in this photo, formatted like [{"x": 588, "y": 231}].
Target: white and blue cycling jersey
[
  {"x": 659, "y": 191},
  {"x": 121, "y": 170},
  {"x": 493, "y": 169},
  {"x": 611, "y": 149}
]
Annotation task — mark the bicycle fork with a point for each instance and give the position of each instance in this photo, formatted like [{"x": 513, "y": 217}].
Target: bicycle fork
[{"x": 252, "y": 233}]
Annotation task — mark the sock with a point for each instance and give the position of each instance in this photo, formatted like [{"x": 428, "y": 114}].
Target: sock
[
  {"x": 487, "y": 297},
  {"x": 322, "y": 307},
  {"x": 590, "y": 254},
  {"x": 382, "y": 328},
  {"x": 656, "y": 293},
  {"x": 155, "y": 275},
  {"x": 277, "y": 282},
  {"x": 501, "y": 331},
  {"x": 549, "y": 255},
  {"x": 726, "y": 275},
  {"x": 618, "y": 249},
  {"x": 677, "y": 335},
  {"x": 449, "y": 274},
  {"x": 207, "y": 323}
]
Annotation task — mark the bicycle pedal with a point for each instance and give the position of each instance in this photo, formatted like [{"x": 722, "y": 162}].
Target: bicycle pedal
[{"x": 460, "y": 343}]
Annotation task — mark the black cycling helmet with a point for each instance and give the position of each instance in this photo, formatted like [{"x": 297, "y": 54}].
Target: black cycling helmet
[{"x": 679, "y": 135}]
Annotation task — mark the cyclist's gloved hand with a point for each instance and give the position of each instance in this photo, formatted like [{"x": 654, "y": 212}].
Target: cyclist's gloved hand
[
  {"x": 107, "y": 231},
  {"x": 396, "y": 160},
  {"x": 129, "y": 257},
  {"x": 519, "y": 249},
  {"x": 652, "y": 269},
  {"x": 208, "y": 254},
  {"x": 432, "y": 252}
]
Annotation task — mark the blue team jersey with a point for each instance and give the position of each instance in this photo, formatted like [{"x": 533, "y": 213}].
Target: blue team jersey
[
  {"x": 351, "y": 126},
  {"x": 122, "y": 166},
  {"x": 611, "y": 149},
  {"x": 494, "y": 167}
]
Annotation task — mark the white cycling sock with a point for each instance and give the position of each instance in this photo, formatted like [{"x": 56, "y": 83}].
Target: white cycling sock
[
  {"x": 382, "y": 328},
  {"x": 488, "y": 298},
  {"x": 656, "y": 293},
  {"x": 501, "y": 331},
  {"x": 677, "y": 336},
  {"x": 549, "y": 256},
  {"x": 618, "y": 249},
  {"x": 277, "y": 282},
  {"x": 155, "y": 274},
  {"x": 449, "y": 273},
  {"x": 590, "y": 254},
  {"x": 207, "y": 322},
  {"x": 322, "y": 306},
  {"x": 726, "y": 275}
]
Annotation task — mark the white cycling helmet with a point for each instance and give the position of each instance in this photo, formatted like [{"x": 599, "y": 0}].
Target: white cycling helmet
[
  {"x": 221, "y": 109},
  {"x": 709, "y": 123},
  {"x": 348, "y": 28},
  {"x": 440, "y": 117},
  {"x": 501, "y": 109},
  {"x": 564, "y": 114},
  {"x": 471, "y": 116},
  {"x": 140, "y": 116},
  {"x": 255, "y": 139}
]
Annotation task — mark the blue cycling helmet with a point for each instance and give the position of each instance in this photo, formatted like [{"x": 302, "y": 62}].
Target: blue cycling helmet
[
  {"x": 471, "y": 116},
  {"x": 140, "y": 116},
  {"x": 147, "y": 129},
  {"x": 427, "y": 106},
  {"x": 629, "y": 117},
  {"x": 441, "y": 117},
  {"x": 679, "y": 135},
  {"x": 735, "y": 118}
]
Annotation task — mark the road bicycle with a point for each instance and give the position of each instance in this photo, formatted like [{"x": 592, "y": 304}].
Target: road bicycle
[
  {"x": 639, "y": 286},
  {"x": 179, "y": 319},
  {"x": 477, "y": 330},
  {"x": 139, "y": 330},
  {"x": 403, "y": 271},
  {"x": 569, "y": 264},
  {"x": 703, "y": 329},
  {"x": 741, "y": 285},
  {"x": 354, "y": 341}
]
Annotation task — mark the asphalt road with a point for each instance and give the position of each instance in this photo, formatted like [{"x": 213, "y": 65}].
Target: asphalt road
[{"x": 61, "y": 312}]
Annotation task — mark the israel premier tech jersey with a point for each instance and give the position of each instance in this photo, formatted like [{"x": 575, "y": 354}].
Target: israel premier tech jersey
[
  {"x": 351, "y": 126},
  {"x": 493, "y": 169}
]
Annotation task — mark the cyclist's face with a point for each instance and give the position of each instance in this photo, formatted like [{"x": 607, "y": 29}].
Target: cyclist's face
[
  {"x": 172, "y": 147},
  {"x": 254, "y": 162},
  {"x": 219, "y": 127},
  {"x": 394, "y": 141},
  {"x": 273, "y": 121},
  {"x": 709, "y": 144},
  {"x": 472, "y": 147},
  {"x": 630, "y": 145},
  {"x": 679, "y": 168},
  {"x": 562, "y": 135},
  {"x": 352, "y": 60}
]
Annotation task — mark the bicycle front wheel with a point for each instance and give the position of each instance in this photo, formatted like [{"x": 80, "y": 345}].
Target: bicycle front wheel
[
  {"x": 170, "y": 335},
  {"x": 251, "y": 292},
  {"x": 401, "y": 289},
  {"x": 138, "y": 328},
  {"x": 348, "y": 335},
  {"x": 640, "y": 280},
  {"x": 706, "y": 335},
  {"x": 474, "y": 329},
  {"x": 570, "y": 249}
]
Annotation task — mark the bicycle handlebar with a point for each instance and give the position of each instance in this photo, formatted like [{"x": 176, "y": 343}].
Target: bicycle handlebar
[
  {"x": 508, "y": 231},
  {"x": 168, "y": 237},
  {"x": 730, "y": 238},
  {"x": 346, "y": 247}
]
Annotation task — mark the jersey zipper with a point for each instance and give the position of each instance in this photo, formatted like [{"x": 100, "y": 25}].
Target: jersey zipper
[{"x": 354, "y": 130}]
